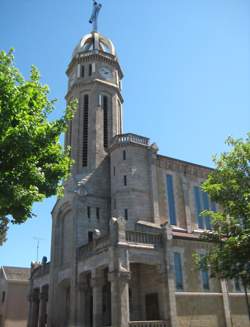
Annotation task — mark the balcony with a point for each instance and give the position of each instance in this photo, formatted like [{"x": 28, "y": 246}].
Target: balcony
[
  {"x": 144, "y": 238},
  {"x": 124, "y": 139},
  {"x": 155, "y": 323}
]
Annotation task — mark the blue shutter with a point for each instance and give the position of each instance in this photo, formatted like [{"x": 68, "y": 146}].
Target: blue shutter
[
  {"x": 171, "y": 202},
  {"x": 198, "y": 207},
  {"x": 178, "y": 271},
  {"x": 205, "y": 201},
  {"x": 205, "y": 279}
]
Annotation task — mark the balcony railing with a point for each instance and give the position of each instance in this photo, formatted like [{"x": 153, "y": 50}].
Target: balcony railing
[
  {"x": 144, "y": 238},
  {"x": 155, "y": 323},
  {"x": 93, "y": 247},
  {"x": 130, "y": 138}
]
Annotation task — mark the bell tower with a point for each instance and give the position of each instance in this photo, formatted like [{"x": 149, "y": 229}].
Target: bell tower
[{"x": 94, "y": 78}]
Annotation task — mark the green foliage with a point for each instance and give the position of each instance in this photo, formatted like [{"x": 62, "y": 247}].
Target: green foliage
[
  {"x": 229, "y": 186},
  {"x": 32, "y": 161}
]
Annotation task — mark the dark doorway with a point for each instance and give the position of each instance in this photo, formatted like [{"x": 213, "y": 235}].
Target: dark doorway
[{"x": 152, "y": 307}]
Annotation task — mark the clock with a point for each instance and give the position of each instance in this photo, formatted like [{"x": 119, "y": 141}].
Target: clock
[{"x": 105, "y": 72}]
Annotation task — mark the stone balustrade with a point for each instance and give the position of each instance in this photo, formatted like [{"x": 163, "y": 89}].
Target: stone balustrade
[
  {"x": 94, "y": 246},
  {"x": 156, "y": 323},
  {"x": 130, "y": 138},
  {"x": 41, "y": 270},
  {"x": 144, "y": 238}
]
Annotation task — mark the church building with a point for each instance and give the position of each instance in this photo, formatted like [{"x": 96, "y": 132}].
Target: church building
[{"x": 124, "y": 233}]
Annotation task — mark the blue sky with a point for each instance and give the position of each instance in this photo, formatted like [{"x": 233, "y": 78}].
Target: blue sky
[{"x": 187, "y": 76}]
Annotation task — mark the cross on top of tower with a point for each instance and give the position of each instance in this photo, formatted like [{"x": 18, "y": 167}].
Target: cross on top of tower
[{"x": 94, "y": 17}]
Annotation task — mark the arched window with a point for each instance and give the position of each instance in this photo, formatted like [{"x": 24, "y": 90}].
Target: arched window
[
  {"x": 85, "y": 130},
  {"x": 105, "y": 121}
]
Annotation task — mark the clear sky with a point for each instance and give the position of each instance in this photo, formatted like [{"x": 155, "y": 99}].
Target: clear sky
[{"x": 187, "y": 76}]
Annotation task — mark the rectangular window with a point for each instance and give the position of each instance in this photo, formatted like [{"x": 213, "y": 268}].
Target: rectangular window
[
  {"x": 97, "y": 213},
  {"x": 205, "y": 279},
  {"x": 171, "y": 200},
  {"x": 90, "y": 69},
  {"x": 114, "y": 170},
  {"x": 202, "y": 202},
  {"x": 125, "y": 180},
  {"x": 3, "y": 296},
  {"x": 126, "y": 214},
  {"x": 124, "y": 155},
  {"x": 89, "y": 212},
  {"x": 82, "y": 71},
  {"x": 178, "y": 271},
  {"x": 237, "y": 285}
]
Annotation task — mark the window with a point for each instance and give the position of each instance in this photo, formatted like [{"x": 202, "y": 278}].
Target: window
[
  {"x": 126, "y": 214},
  {"x": 90, "y": 69},
  {"x": 178, "y": 271},
  {"x": 89, "y": 212},
  {"x": 3, "y": 296},
  {"x": 171, "y": 200},
  {"x": 124, "y": 155},
  {"x": 98, "y": 213},
  {"x": 82, "y": 71},
  {"x": 90, "y": 236},
  {"x": 125, "y": 180},
  {"x": 202, "y": 202},
  {"x": 205, "y": 279},
  {"x": 85, "y": 130},
  {"x": 105, "y": 121},
  {"x": 237, "y": 285},
  {"x": 114, "y": 170}
]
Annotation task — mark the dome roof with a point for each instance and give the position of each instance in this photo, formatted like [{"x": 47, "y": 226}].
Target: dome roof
[{"x": 94, "y": 41}]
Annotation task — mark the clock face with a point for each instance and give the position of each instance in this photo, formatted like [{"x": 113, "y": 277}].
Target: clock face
[{"x": 105, "y": 72}]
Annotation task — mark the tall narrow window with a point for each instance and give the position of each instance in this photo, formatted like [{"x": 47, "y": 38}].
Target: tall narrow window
[
  {"x": 178, "y": 271},
  {"x": 114, "y": 170},
  {"x": 90, "y": 69},
  {"x": 89, "y": 212},
  {"x": 202, "y": 202},
  {"x": 237, "y": 285},
  {"x": 85, "y": 130},
  {"x": 204, "y": 277},
  {"x": 126, "y": 214},
  {"x": 125, "y": 180},
  {"x": 105, "y": 121},
  {"x": 124, "y": 155},
  {"x": 82, "y": 71},
  {"x": 97, "y": 213},
  {"x": 171, "y": 200}
]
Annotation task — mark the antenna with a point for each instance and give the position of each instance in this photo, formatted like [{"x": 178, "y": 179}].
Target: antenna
[{"x": 37, "y": 239}]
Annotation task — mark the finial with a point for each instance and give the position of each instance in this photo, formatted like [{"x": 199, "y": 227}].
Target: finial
[{"x": 94, "y": 17}]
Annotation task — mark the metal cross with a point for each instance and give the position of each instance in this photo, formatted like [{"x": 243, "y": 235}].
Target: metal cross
[{"x": 94, "y": 17}]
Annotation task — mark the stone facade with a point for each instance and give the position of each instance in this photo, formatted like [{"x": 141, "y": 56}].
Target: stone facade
[{"x": 125, "y": 231}]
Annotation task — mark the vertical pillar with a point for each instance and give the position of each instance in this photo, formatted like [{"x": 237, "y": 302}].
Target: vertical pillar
[
  {"x": 119, "y": 298},
  {"x": 35, "y": 308},
  {"x": 226, "y": 303},
  {"x": 43, "y": 307},
  {"x": 170, "y": 284},
  {"x": 97, "y": 284}
]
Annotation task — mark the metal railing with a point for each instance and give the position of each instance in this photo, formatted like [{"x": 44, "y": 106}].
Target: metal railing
[
  {"x": 130, "y": 138},
  {"x": 156, "y": 323},
  {"x": 144, "y": 238}
]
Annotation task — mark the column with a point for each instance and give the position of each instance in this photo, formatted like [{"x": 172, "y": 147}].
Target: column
[
  {"x": 83, "y": 287},
  {"x": 97, "y": 284},
  {"x": 119, "y": 298},
  {"x": 226, "y": 303},
  {"x": 43, "y": 307},
  {"x": 35, "y": 308}
]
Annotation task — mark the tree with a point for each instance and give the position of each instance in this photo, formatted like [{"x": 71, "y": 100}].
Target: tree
[
  {"x": 229, "y": 186},
  {"x": 32, "y": 161}
]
